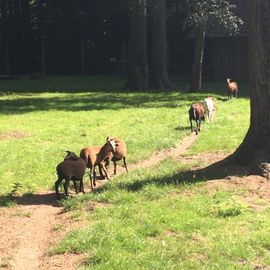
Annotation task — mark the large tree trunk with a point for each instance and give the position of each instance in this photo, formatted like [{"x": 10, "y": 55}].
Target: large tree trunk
[
  {"x": 255, "y": 149},
  {"x": 137, "y": 77},
  {"x": 5, "y": 31},
  {"x": 196, "y": 82},
  {"x": 158, "y": 75}
]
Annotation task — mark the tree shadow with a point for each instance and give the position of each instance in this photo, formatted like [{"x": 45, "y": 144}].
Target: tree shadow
[
  {"x": 218, "y": 171},
  {"x": 31, "y": 199},
  {"x": 94, "y": 101}
]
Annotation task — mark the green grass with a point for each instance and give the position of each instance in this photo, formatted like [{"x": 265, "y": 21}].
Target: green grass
[
  {"x": 52, "y": 122},
  {"x": 153, "y": 222},
  {"x": 153, "y": 218}
]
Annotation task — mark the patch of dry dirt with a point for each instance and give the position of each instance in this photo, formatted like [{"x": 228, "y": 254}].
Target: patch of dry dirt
[
  {"x": 14, "y": 134},
  {"x": 28, "y": 230}
]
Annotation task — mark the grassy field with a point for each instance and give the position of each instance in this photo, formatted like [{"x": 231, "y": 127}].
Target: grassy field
[
  {"x": 40, "y": 119},
  {"x": 158, "y": 218}
]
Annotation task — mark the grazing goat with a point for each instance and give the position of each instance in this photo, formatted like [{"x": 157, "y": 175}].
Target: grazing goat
[
  {"x": 196, "y": 113},
  {"x": 72, "y": 168},
  {"x": 95, "y": 156},
  {"x": 232, "y": 89},
  {"x": 120, "y": 153},
  {"x": 209, "y": 107}
]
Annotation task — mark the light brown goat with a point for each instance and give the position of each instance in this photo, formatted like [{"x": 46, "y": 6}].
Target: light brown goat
[
  {"x": 120, "y": 153},
  {"x": 232, "y": 89},
  {"x": 95, "y": 156}
]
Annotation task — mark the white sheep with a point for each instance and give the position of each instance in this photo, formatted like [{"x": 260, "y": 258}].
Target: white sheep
[{"x": 209, "y": 107}]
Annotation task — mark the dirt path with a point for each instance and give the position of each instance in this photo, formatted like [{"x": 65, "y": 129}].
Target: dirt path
[
  {"x": 25, "y": 230},
  {"x": 33, "y": 236},
  {"x": 175, "y": 151}
]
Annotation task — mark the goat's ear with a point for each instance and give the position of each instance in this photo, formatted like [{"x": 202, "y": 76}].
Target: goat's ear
[{"x": 108, "y": 138}]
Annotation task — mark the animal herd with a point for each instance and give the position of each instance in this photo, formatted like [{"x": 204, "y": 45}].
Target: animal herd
[
  {"x": 201, "y": 110},
  {"x": 73, "y": 167}
]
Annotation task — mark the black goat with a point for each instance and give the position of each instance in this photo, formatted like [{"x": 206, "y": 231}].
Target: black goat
[{"x": 72, "y": 168}]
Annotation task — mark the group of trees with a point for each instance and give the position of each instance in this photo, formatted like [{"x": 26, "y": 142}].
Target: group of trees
[
  {"x": 82, "y": 36},
  {"x": 61, "y": 36},
  {"x": 198, "y": 14}
]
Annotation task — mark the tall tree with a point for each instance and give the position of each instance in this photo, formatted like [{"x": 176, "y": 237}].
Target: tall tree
[
  {"x": 137, "y": 77},
  {"x": 201, "y": 13},
  {"x": 5, "y": 35},
  {"x": 158, "y": 74},
  {"x": 255, "y": 149}
]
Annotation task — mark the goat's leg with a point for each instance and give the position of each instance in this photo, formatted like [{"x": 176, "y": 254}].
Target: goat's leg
[
  {"x": 90, "y": 176},
  {"x": 66, "y": 187},
  {"x": 56, "y": 185},
  {"x": 107, "y": 163},
  {"x": 81, "y": 186},
  {"x": 197, "y": 129},
  {"x": 75, "y": 186},
  {"x": 125, "y": 164},
  {"x": 94, "y": 176},
  {"x": 191, "y": 127},
  {"x": 114, "y": 167},
  {"x": 104, "y": 170},
  {"x": 100, "y": 172}
]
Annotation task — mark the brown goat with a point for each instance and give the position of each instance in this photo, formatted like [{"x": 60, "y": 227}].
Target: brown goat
[
  {"x": 95, "y": 156},
  {"x": 196, "y": 113},
  {"x": 232, "y": 89},
  {"x": 89, "y": 155},
  {"x": 120, "y": 153}
]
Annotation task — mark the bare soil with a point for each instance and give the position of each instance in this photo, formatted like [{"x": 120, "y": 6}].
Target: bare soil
[
  {"x": 5, "y": 135},
  {"x": 37, "y": 222}
]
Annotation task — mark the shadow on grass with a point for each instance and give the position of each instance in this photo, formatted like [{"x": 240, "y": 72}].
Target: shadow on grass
[
  {"x": 217, "y": 171},
  {"x": 179, "y": 128},
  {"x": 92, "y": 93},
  {"x": 33, "y": 199},
  {"x": 95, "y": 101}
]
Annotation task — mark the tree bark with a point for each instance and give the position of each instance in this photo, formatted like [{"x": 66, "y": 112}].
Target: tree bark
[
  {"x": 5, "y": 29},
  {"x": 137, "y": 77},
  {"x": 255, "y": 148},
  {"x": 158, "y": 74},
  {"x": 196, "y": 82}
]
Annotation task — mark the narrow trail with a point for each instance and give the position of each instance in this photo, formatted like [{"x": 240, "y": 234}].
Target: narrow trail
[
  {"x": 157, "y": 157},
  {"x": 28, "y": 229},
  {"x": 33, "y": 238}
]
